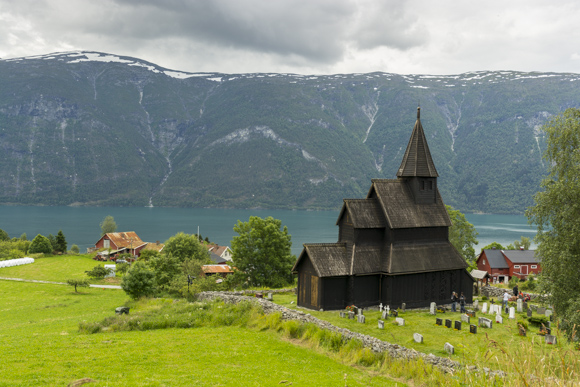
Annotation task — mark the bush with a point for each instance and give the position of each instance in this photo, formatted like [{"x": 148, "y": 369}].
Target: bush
[
  {"x": 40, "y": 244},
  {"x": 122, "y": 268},
  {"x": 139, "y": 281},
  {"x": 538, "y": 320},
  {"x": 98, "y": 272},
  {"x": 74, "y": 249}
]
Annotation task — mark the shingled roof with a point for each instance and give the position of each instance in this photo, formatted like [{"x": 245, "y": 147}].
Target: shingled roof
[
  {"x": 364, "y": 213},
  {"x": 521, "y": 256},
  {"x": 400, "y": 208},
  {"x": 496, "y": 259},
  {"x": 328, "y": 259},
  {"x": 417, "y": 161},
  {"x": 409, "y": 258}
]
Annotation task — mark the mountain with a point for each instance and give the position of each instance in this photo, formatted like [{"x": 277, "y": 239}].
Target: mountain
[{"x": 89, "y": 128}]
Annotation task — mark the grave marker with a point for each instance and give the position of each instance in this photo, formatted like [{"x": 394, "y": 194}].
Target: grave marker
[
  {"x": 484, "y": 308},
  {"x": 361, "y": 318},
  {"x": 438, "y": 321},
  {"x": 400, "y": 321},
  {"x": 342, "y": 314},
  {"x": 485, "y": 322},
  {"x": 529, "y": 313},
  {"x": 418, "y": 338},
  {"x": 476, "y": 304},
  {"x": 350, "y": 315},
  {"x": 512, "y": 313},
  {"x": 465, "y": 318},
  {"x": 457, "y": 325},
  {"x": 432, "y": 308},
  {"x": 498, "y": 319},
  {"x": 381, "y": 324},
  {"x": 448, "y": 323},
  {"x": 548, "y": 313},
  {"x": 449, "y": 349},
  {"x": 403, "y": 307},
  {"x": 385, "y": 315},
  {"x": 551, "y": 339},
  {"x": 541, "y": 310},
  {"x": 473, "y": 329},
  {"x": 520, "y": 307}
]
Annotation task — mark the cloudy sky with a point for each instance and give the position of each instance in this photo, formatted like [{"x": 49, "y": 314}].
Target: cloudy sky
[{"x": 304, "y": 36}]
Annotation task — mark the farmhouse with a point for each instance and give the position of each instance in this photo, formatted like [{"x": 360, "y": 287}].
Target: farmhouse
[
  {"x": 504, "y": 264},
  {"x": 128, "y": 242},
  {"x": 393, "y": 246}
]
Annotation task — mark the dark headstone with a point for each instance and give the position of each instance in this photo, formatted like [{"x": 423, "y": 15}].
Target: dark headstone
[
  {"x": 458, "y": 325},
  {"x": 122, "y": 310},
  {"x": 438, "y": 321},
  {"x": 472, "y": 329},
  {"x": 441, "y": 309},
  {"x": 448, "y": 323},
  {"x": 529, "y": 312},
  {"x": 342, "y": 314}
]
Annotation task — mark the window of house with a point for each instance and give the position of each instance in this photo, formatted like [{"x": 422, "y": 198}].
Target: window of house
[
  {"x": 516, "y": 266},
  {"x": 484, "y": 261},
  {"x": 534, "y": 266}
]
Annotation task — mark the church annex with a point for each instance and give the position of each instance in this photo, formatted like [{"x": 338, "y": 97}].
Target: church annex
[{"x": 393, "y": 246}]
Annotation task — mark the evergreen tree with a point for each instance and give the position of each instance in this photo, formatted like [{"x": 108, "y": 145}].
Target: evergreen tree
[
  {"x": 40, "y": 244},
  {"x": 52, "y": 241},
  {"x": 61, "y": 244},
  {"x": 4, "y": 235}
]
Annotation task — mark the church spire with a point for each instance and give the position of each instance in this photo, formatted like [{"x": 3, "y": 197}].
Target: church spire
[{"x": 417, "y": 161}]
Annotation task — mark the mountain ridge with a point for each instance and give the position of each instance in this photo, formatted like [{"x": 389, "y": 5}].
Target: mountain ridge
[{"x": 89, "y": 128}]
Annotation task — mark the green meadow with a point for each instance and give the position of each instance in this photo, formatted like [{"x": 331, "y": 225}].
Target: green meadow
[{"x": 50, "y": 335}]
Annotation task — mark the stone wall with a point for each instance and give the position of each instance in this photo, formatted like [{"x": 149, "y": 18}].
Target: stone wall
[
  {"x": 492, "y": 291},
  {"x": 393, "y": 350}
]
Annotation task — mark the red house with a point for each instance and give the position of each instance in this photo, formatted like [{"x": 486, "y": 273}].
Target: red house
[
  {"x": 504, "y": 264},
  {"x": 124, "y": 242}
]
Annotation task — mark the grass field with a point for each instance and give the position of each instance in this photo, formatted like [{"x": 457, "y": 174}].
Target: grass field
[{"x": 41, "y": 345}]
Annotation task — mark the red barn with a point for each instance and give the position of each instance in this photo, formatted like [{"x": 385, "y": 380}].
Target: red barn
[{"x": 504, "y": 264}]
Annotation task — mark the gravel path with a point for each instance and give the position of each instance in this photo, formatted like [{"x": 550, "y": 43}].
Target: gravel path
[{"x": 58, "y": 283}]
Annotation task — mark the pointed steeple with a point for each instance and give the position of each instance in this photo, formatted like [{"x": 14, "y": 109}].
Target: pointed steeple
[{"x": 417, "y": 161}]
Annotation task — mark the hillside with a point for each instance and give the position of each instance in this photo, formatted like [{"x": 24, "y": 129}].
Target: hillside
[{"x": 88, "y": 128}]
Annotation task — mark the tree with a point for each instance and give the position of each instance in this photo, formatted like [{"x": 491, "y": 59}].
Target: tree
[
  {"x": 40, "y": 244},
  {"x": 108, "y": 225},
  {"x": 524, "y": 242},
  {"x": 4, "y": 235},
  {"x": 146, "y": 255},
  {"x": 498, "y": 246},
  {"x": 74, "y": 249},
  {"x": 184, "y": 247},
  {"x": 262, "y": 251},
  {"x": 23, "y": 237},
  {"x": 98, "y": 272},
  {"x": 52, "y": 241},
  {"x": 61, "y": 244},
  {"x": 139, "y": 281},
  {"x": 166, "y": 269},
  {"x": 81, "y": 283},
  {"x": 556, "y": 213},
  {"x": 462, "y": 234}
]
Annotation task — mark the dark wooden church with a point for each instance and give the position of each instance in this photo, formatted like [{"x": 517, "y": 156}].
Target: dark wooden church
[{"x": 393, "y": 246}]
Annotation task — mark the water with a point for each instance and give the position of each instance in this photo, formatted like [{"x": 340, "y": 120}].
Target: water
[{"x": 80, "y": 225}]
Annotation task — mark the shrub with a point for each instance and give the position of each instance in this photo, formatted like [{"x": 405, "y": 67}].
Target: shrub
[
  {"x": 98, "y": 272},
  {"x": 139, "y": 281},
  {"x": 122, "y": 268},
  {"x": 538, "y": 320},
  {"x": 74, "y": 249},
  {"x": 40, "y": 244}
]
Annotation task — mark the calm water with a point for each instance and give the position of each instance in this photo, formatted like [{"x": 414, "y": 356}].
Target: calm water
[{"x": 80, "y": 225}]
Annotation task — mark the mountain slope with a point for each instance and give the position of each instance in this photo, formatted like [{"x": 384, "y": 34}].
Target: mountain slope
[{"x": 97, "y": 129}]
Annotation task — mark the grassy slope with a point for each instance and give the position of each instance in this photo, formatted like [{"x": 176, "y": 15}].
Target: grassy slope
[{"x": 40, "y": 345}]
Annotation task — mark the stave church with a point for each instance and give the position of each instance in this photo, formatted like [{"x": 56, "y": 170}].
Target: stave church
[{"x": 393, "y": 246}]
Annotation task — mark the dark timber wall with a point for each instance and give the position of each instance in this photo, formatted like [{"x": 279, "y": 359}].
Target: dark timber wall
[
  {"x": 334, "y": 293},
  {"x": 366, "y": 290}
]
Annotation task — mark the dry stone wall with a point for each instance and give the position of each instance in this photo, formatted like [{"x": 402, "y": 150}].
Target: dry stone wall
[{"x": 393, "y": 350}]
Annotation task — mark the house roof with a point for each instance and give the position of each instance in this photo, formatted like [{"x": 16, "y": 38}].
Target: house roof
[
  {"x": 496, "y": 259},
  {"x": 398, "y": 204},
  {"x": 216, "y": 258},
  {"x": 521, "y": 256},
  {"x": 328, "y": 259},
  {"x": 417, "y": 161},
  {"x": 154, "y": 246},
  {"x": 480, "y": 274},
  {"x": 364, "y": 213},
  {"x": 422, "y": 257},
  {"x": 125, "y": 239},
  {"x": 366, "y": 260},
  {"x": 214, "y": 269}
]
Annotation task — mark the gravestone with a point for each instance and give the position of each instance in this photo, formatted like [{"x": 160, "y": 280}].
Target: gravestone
[
  {"x": 485, "y": 322},
  {"x": 525, "y": 304},
  {"x": 441, "y": 309},
  {"x": 438, "y": 321},
  {"x": 385, "y": 315},
  {"x": 381, "y": 324},
  {"x": 492, "y": 309},
  {"x": 465, "y": 318},
  {"x": 512, "y": 313},
  {"x": 548, "y": 313},
  {"x": 457, "y": 325},
  {"x": 388, "y": 310},
  {"x": 550, "y": 339},
  {"x": 361, "y": 318},
  {"x": 418, "y": 338},
  {"x": 529, "y": 313},
  {"x": 507, "y": 310},
  {"x": 400, "y": 321},
  {"x": 476, "y": 304},
  {"x": 484, "y": 308},
  {"x": 350, "y": 315},
  {"x": 122, "y": 310},
  {"x": 498, "y": 319},
  {"x": 403, "y": 307},
  {"x": 448, "y": 323},
  {"x": 541, "y": 310},
  {"x": 270, "y": 297},
  {"x": 449, "y": 349},
  {"x": 432, "y": 308},
  {"x": 520, "y": 306},
  {"x": 360, "y": 311},
  {"x": 381, "y": 307},
  {"x": 342, "y": 314},
  {"x": 473, "y": 329}
]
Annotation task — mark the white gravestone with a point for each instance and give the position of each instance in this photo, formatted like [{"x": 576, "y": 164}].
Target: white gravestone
[
  {"x": 485, "y": 322},
  {"x": 484, "y": 308},
  {"x": 361, "y": 318},
  {"x": 492, "y": 309},
  {"x": 512, "y": 313},
  {"x": 465, "y": 318},
  {"x": 381, "y": 324},
  {"x": 498, "y": 319},
  {"x": 433, "y": 308},
  {"x": 449, "y": 348},
  {"x": 385, "y": 315},
  {"x": 400, "y": 321},
  {"x": 548, "y": 313},
  {"x": 550, "y": 339},
  {"x": 388, "y": 310},
  {"x": 418, "y": 338},
  {"x": 520, "y": 305},
  {"x": 475, "y": 304},
  {"x": 381, "y": 307}
]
